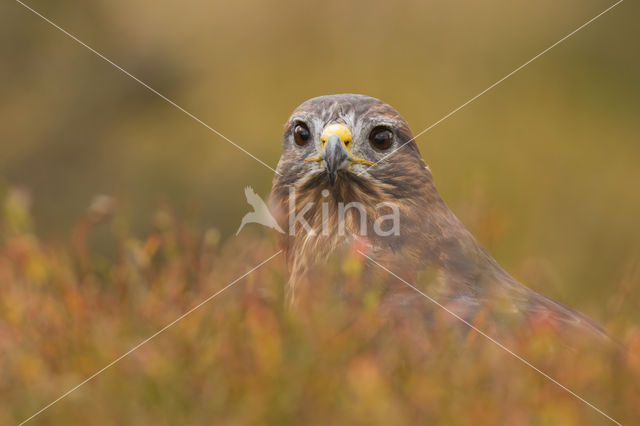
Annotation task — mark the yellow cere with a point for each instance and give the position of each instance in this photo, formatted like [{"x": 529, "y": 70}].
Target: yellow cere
[{"x": 338, "y": 129}]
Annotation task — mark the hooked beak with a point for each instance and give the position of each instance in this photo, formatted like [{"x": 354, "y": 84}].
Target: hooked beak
[{"x": 336, "y": 155}]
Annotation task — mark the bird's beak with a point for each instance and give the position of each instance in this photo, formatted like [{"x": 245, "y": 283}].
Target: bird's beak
[{"x": 336, "y": 155}]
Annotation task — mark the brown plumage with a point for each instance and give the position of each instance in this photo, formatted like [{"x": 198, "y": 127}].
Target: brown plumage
[{"x": 377, "y": 162}]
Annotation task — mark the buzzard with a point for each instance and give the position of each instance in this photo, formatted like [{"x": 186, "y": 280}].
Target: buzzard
[{"x": 349, "y": 161}]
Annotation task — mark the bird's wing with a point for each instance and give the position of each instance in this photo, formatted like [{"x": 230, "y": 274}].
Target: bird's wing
[
  {"x": 541, "y": 309},
  {"x": 506, "y": 305},
  {"x": 509, "y": 305}
]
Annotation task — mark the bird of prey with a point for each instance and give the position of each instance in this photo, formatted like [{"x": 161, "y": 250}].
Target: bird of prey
[{"x": 342, "y": 149}]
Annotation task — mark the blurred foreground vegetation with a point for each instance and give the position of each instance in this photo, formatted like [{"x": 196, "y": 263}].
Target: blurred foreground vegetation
[{"x": 244, "y": 358}]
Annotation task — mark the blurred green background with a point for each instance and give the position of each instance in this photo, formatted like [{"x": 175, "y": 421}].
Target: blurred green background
[{"x": 543, "y": 168}]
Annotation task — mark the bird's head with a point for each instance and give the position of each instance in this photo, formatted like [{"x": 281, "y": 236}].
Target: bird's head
[
  {"x": 349, "y": 143},
  {"x": 343, "y": 149}
]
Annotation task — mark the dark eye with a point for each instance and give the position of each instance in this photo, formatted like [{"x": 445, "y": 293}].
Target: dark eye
[
  {"x": 381, "y": 138},
  {"x": 301, "y": 134}
]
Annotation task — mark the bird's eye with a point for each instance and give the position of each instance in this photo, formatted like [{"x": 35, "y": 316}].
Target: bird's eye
[
  {"x": 301, "y": 134},
  {"x": 381, "y": 138}
]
